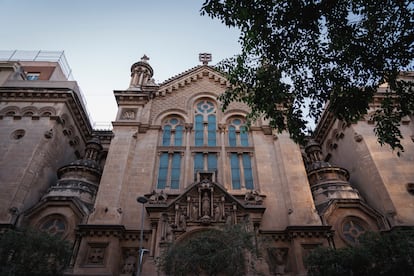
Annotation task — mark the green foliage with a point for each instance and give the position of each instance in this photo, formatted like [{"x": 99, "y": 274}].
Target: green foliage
[
  {"x": 300, "y": 54},
  {"x": 376, "y": 254},
  {"x": 212, "y": 251},
  {"x": 30, "y": 252}
]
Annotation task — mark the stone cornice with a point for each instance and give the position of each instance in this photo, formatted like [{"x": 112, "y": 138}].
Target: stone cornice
[
  {"x": 111, "y": 230},
  {"x": 52, "y": 94},
  {"x": 191, "y": 76},
  {"x": 298, "y": 231},
  {"x": 132, "y": 97}
]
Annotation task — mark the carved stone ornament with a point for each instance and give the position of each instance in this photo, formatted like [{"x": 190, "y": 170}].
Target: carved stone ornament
[
  {"x": 205, "y": 203},
  {"x": 253, "y": 197},
  {"x": 48, "y": 134},
  {"x": 128, "y": 114},
  {"x": 157, "y": 197},
  {"x": 96, "y": 254}
]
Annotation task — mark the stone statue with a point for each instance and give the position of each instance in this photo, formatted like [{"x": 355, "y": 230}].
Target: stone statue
[
  {"x": 205, "y": 204},
  {"x": 164, "y": 226},
  {"x": 182, "y": 221},
  {"x": 194, "y": 212},
  {"x": 217, "y": 213}
]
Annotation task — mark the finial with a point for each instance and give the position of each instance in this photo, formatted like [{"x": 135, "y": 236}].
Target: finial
[
  {"x": 205, "y": 58},
  {"x": 145, "y": 58}
]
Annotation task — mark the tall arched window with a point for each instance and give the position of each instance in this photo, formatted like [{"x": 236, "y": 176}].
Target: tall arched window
[
  {"x": 241, "y": 172},
  {"x": 205, "y": 128},
  {"x": 170, "y": 158},
  {"x": 205, "y": 135}
]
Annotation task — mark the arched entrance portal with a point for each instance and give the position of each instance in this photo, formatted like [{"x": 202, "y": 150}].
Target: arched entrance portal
[{"x": 209, "y": 252}]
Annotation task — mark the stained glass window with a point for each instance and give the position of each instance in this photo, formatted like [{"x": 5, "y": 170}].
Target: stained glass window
[
  {"x": 247, "y": 169},
  {"x": 163, "y": 171},
  {"x": 235, "y": 171},
  {"x": 232, "y": 136},
  {"x": 205, "y": 114},
  {"x": 175, "y": 170}
]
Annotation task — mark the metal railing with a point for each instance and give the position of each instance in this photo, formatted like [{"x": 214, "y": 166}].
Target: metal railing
[{"x": 51, "y": 56}]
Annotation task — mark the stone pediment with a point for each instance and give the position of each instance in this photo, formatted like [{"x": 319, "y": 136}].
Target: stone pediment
[
  {"x": 188, "y": 77},
  {"x": 205, "y": 203}
]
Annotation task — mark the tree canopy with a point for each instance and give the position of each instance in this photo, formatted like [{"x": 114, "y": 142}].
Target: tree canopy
[
  {"x": 298, "y": 55},
  {"x": 30, "y": 252},
  {"x": 376, "y": 254}
]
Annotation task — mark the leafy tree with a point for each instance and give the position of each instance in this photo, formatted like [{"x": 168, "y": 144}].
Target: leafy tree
[
  {"x": 301, "y": 54},
  {"x": 30, "y": 252},
  {"x": 212, "y": 251},
  {"x": 376, "y": 254}
]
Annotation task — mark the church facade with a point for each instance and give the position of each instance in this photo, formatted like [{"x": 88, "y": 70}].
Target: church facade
[{"x": 175, "y": 164}]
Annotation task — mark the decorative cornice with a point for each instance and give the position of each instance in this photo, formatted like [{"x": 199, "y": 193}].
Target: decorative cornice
[
  {"x": 297, "y": 231},
  {"x": 52, "y": 94},
  {"x": 110, "y": 230},
  {"x": 191, "y": 76}
]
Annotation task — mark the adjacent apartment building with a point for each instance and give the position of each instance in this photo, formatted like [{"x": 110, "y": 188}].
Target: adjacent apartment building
[{"x": 193, "y": 166}]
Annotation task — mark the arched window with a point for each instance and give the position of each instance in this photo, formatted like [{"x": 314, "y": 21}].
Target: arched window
[
  {"x": 172, "y": 134},
  {"x": 205, "y": 135},
  {"x": 205, "y": 129},
  {"x": 169, "y": 169},
  {"x": 237, "y": 133},
  {"x": 241, "y": 172}
]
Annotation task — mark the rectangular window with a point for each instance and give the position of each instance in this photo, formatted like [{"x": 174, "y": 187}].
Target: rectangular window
[
  {"x": 199, "y": 130},
  {"x": 212, "y": 161},
  {"x": 166, "y": 136},
  {"x": 163, "y": 171},
  {"x": 198, "y": 162},
  {"x": 235, "y": 171},
  {"x": 232, "y": 136},
  {"x": 244, "y": 137},
  {"x": 211, "y": 130},
  {"x": 32, "y": 76},
  {"x": 178, "y": 139},
  {"x": 247, "y": 169},
  {"x": 175, "y": 170}
]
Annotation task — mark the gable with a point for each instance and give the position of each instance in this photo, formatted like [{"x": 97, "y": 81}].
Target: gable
[
  {"x": 205, "y": 203},
  {"x": 191, "y": 76},
  {"x": 180, "y": 92}
]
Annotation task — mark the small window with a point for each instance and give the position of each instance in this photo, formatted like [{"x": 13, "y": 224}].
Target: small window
[
  {"x": 32, "y": 76},
  {"x": 18, "y": 134},
  {"x": 54, "y": 226},
  {"x": 352, "y": 229}
]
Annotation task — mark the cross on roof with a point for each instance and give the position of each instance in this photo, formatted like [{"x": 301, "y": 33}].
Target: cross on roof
[
  {"x": 205, "y": 58},
  {"x": 145, "y": 58}
]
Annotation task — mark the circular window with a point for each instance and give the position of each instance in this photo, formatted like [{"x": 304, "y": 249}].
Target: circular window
[
  {"x": 205, "y": 106},
  {"x": 352, "y": 228},
  {"x": 54, "y": 226},
  {"x": 18, "y": 134}
]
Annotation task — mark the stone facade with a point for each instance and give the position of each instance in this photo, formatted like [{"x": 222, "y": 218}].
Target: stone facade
[{"x": 197, "y": 167}]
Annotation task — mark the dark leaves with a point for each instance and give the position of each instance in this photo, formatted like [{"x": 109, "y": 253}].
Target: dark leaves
[
  {"x": 376, "y": 254},
  {"x": 297, "y": 55},
  {"x": 29, "y": 252}
]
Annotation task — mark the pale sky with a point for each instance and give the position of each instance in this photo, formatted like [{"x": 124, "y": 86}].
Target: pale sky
[{"x": 103, "y": 38}]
